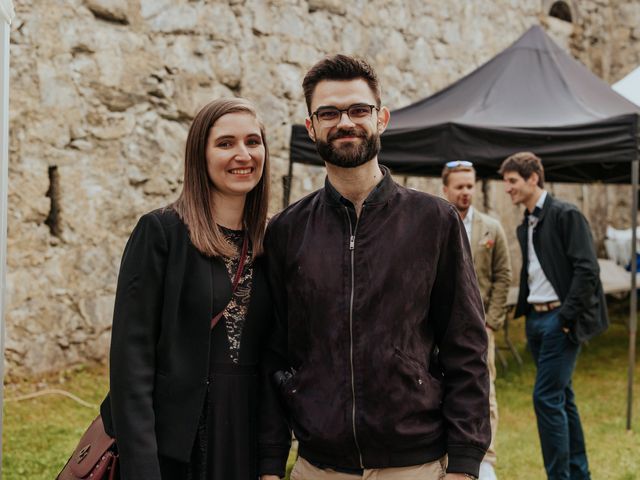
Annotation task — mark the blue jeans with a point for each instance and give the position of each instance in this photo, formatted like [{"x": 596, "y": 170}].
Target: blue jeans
[{"x": 559, "y": 427}]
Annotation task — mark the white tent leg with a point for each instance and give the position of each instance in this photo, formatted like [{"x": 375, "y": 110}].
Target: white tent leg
[
  {"x": 633, "y": 304},
  {"x": 4, "y": 173}
]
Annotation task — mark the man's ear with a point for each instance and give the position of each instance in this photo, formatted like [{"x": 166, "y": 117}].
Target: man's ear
[
  {"x": 384, "y": 115},
  {"x": 533, "y": 178},
  {"x": 311, "y": 131}
]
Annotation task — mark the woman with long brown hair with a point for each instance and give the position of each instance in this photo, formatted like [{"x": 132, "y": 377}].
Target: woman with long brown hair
[{"x": 192, "y": 308}]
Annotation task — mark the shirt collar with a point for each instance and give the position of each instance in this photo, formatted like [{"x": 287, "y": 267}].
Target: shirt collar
[
  {"x": 468, "y": 219},
  {"x": 537, "y": 211},
  {"x": 541, "y": 200}
]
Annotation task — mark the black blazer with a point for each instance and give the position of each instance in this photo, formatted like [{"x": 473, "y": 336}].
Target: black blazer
[
  {"x": 159, "y": 345},
  {"x": 563, "y": 243}
]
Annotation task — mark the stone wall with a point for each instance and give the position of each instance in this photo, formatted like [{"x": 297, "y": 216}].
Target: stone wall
[{"x": 102, "y": 92}]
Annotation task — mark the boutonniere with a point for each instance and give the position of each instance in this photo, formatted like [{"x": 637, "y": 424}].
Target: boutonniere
[{"x": 488, "y": 243}]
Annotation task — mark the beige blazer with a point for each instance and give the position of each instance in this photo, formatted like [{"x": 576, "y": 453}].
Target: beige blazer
[{"x": 492, "y": 264}]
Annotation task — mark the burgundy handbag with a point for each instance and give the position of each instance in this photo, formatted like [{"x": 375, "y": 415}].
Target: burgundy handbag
[{"x": 94, "y": 458}]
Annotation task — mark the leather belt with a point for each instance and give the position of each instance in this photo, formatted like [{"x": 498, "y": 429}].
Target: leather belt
[{"x": 546, "y": 306}]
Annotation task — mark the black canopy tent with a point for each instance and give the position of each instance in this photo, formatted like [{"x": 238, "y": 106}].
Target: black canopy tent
[{"x": 532, "y": 96}]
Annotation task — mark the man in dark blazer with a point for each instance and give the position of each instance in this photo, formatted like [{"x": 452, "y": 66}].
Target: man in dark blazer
[{"x": 562, "y": 298}]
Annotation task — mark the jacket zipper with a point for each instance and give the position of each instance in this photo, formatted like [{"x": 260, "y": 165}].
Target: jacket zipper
[{"x": 352, "y": 246}]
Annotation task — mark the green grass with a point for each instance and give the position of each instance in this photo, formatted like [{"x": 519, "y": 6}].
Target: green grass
[
  {"x": 40, "y": 433},
  {"x": 600, "y": 383}
]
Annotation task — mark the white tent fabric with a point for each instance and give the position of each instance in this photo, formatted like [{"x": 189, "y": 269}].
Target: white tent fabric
[
  {"x": 618, "y": 245},
  {"x": 629, "y": 86},
  {"x": 6, "y": 16},
  {"x": 6, "y": 11}
]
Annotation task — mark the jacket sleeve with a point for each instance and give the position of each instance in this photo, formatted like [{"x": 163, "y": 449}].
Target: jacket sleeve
[
  {"x": 133, "y": 342},
  {"x": 500, "y": 281},
  {"x": 274, "y": 436},
  {"x": 456, "y": 308},
  {"x": 579, "y": 249}
]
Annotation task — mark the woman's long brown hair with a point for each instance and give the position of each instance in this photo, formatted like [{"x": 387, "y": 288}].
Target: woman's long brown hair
[{"x": 195, "y": 204}]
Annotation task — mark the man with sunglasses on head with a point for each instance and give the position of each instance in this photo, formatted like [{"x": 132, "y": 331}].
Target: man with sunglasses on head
[
  {"x": 493, "y": 269},
  {"x": 379, "y": 348}
]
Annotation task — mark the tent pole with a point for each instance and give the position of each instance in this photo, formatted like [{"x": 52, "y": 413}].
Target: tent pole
[
  {"x": 633, "y": 304},
  {"x": 287, "y": 182},
  {"x": 4, "y": 181}
]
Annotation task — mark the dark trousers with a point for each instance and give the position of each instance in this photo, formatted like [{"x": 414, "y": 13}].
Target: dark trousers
[{"x": 559, "y": 426}]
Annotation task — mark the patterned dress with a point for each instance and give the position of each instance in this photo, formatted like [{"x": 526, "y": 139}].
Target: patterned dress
[
  {"x": 236, "y": 311},
  {"x": 226, "y": 443}
]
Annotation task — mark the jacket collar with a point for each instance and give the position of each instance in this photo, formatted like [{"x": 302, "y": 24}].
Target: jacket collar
[
  {"x": 379, "y": 195},
  {"x": 539, "y": 211}
]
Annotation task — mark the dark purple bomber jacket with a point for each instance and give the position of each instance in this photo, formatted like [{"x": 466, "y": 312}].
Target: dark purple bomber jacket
[{"x": 381, "y": 323}]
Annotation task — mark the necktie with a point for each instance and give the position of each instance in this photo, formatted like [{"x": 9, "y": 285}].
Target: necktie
[{"x": 532, "y": 217}]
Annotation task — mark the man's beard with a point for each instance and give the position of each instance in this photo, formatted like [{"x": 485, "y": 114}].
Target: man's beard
[
  {"x": 462, "y": 209},
  {"x": 462, "y": 206},
  {"x": 349, "y": 155}
]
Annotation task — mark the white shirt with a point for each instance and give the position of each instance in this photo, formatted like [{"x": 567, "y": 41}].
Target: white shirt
[
  {"x": 468, "y": 222},
  {"x": 540, "y": 289}
]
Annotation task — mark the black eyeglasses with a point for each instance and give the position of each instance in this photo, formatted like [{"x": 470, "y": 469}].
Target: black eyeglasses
[
  {"x": 358, "y": 113},
  {"x": 458, "y": 163}
]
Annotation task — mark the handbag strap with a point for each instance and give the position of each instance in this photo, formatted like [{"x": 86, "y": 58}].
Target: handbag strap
[{"x": 236, "y": 279}]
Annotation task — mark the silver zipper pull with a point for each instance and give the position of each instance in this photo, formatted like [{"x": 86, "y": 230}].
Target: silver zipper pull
[{"x": 352, "y": 242}]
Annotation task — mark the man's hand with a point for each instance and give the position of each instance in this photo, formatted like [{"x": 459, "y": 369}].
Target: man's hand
[
  {"x": 456, "y": 476},
  {"x": 269, "y": 477}
]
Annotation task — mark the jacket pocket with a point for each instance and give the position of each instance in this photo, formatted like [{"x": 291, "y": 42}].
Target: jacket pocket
[
  {"x": 413, "y": 367},
  {"x": 423, "y": 380},
  {"x": 588, "y": 323},
  {"x": 411, "y": 413}
]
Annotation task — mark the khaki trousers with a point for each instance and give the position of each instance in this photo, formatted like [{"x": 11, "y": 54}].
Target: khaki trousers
[
  {"x": 490, "y": 457},
  {"x": 303, "y": 470}
]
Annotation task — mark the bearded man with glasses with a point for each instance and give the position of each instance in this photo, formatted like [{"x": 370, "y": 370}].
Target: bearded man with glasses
[{"x": 378, "y": 358}]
